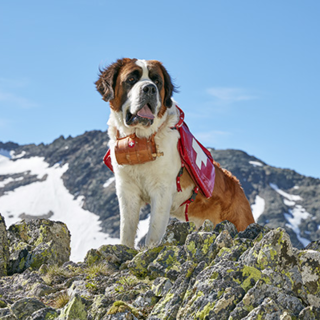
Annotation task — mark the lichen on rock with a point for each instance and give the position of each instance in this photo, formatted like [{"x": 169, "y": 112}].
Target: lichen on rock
[
  {"x": 4, "y": 248},
  {"x": 211, "y": 273},
  {"x": 74, "y": 310},
  {"x": 37, "y": 242}
]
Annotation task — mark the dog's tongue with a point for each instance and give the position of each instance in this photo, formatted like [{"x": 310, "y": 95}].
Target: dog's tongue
[{"x": 145, "y": 112}]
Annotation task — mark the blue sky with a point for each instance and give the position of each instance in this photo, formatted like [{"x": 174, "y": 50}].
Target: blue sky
[{"x": 248, "y": 71}]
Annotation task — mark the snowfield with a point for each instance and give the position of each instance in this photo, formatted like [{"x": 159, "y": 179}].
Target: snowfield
[{"x": 40, "y": 197}]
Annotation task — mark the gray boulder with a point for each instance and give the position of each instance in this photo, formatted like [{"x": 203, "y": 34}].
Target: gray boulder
[
  {"x": 37, "y": 242},
  {"x": 4, "y": 248},
  {"x": 25, "y": 307}
]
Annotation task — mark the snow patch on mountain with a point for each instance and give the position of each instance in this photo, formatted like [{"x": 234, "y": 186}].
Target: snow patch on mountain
[
  {"x": 18, "y": 156},
  {"x": 289, "y": 203},
  {"x": 41, "y": 197},
  {"x": 256, "y": 163},
  {"x": 109, "y": 182},
  {"x": 296, "y": 214},
  {"x": 294, "y": 218},
  {"x": 258, "y": 207},
  {"x": 290, "y": 197},
  {"x": 8, "y": 180}
]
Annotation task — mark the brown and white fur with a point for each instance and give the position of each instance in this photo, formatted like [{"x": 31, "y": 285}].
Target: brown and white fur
[{"x": 130, "y": 85}]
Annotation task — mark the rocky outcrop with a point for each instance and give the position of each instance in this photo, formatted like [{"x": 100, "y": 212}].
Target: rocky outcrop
[
  {"x": 37, "y": 242},
  {"x": 210, "y": 273},
  {"x": 4, "y": 248}
]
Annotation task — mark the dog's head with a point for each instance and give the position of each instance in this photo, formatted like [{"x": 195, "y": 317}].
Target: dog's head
[{"x": 139, "y": 90}]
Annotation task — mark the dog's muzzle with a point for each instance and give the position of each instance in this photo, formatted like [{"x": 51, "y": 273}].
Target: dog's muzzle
[{"x": 146, "y": 107}]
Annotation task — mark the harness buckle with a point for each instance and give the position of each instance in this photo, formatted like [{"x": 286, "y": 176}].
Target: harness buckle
[{"x": 194, "y": 194}]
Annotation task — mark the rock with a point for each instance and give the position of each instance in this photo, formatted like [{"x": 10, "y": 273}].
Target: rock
[
  {"x": 233, "y": 252},
  {"x": 253, "y": 231},
  {"x": 5, "y": 313},
  {"x": 259, "y": 293},
  {"x": 121, "y": 311},
  {"x": 161, "y": 286},
  {"x": 4, "y": 248},
  {"x": 139, "y": 264},
  {"x": 147, "y": 299},
  {"x": 45, "y": 313},
  {"x": 99, "y": 307},
  {"x": 310, "y": 313},
  {"x": 3, "y": 304},
  {"x": 19, "y": 286},
  {"x": 224, "y": 240},
  {"x": 168, "y": 263},
  {"x": 37, "y": 242},
  {"x": 79, "y": 288},
  {"x": 273, "y": 251},
  {"x": 268, "y": 309},
  {"x": 40, "y": 289},
  {"x": 168, "y": 306},
  {"x": 115, "y": 255},
  {"x": 207, "y": 226},
  {"x": 25, "y": 307},
  {"x": 200, "y": 246},
  {"x": 215, "y": 292},
  {"x": 75, "y": 309},
  {"x": 228, "y": 226},
  {"x": 177, "y": 232},
  {"x": 309, "y": 264},
  {"x": 314, "y": 245}
]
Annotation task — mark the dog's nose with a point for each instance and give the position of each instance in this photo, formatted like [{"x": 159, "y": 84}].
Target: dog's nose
[{"x": 149, "y": 89}]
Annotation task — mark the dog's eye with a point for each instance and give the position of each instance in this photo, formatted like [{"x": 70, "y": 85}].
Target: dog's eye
[{"x": 131, "y": 80}]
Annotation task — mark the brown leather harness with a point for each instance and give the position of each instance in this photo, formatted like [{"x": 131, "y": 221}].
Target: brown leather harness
[{"x": 133, "y": 150}]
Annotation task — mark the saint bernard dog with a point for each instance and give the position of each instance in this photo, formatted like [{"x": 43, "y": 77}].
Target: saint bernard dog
[{"x": 140, "y": 96}]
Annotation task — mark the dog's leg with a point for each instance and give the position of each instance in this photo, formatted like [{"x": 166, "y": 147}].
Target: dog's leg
[
  {"x": 160, "y": 213},
  {"x": 130, "y": 205}
]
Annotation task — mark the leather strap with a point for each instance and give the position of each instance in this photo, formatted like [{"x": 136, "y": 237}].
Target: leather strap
[
  {"x": 181, "y": 119},
  {"x": 187, "y": 202}
]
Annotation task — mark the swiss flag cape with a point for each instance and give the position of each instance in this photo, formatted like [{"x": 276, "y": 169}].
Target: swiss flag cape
[
  {"x": 197, "y": 160},
  {"x": 195, "y": 157}
]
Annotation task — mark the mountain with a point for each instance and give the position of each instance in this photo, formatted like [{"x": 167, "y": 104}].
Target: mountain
[{"x": 66, "y": 180}]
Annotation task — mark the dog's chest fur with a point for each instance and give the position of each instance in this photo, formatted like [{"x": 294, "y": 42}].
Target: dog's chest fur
[{"x": 152, "y": 177}]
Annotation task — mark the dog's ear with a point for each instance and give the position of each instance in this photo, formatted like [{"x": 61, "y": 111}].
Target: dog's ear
[
  {"x": 168, "y": 86},
  {"x": 108, "y": 78}
]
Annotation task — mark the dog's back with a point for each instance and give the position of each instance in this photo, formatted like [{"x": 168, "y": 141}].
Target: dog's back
[{"x": 228, "y": 202}]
